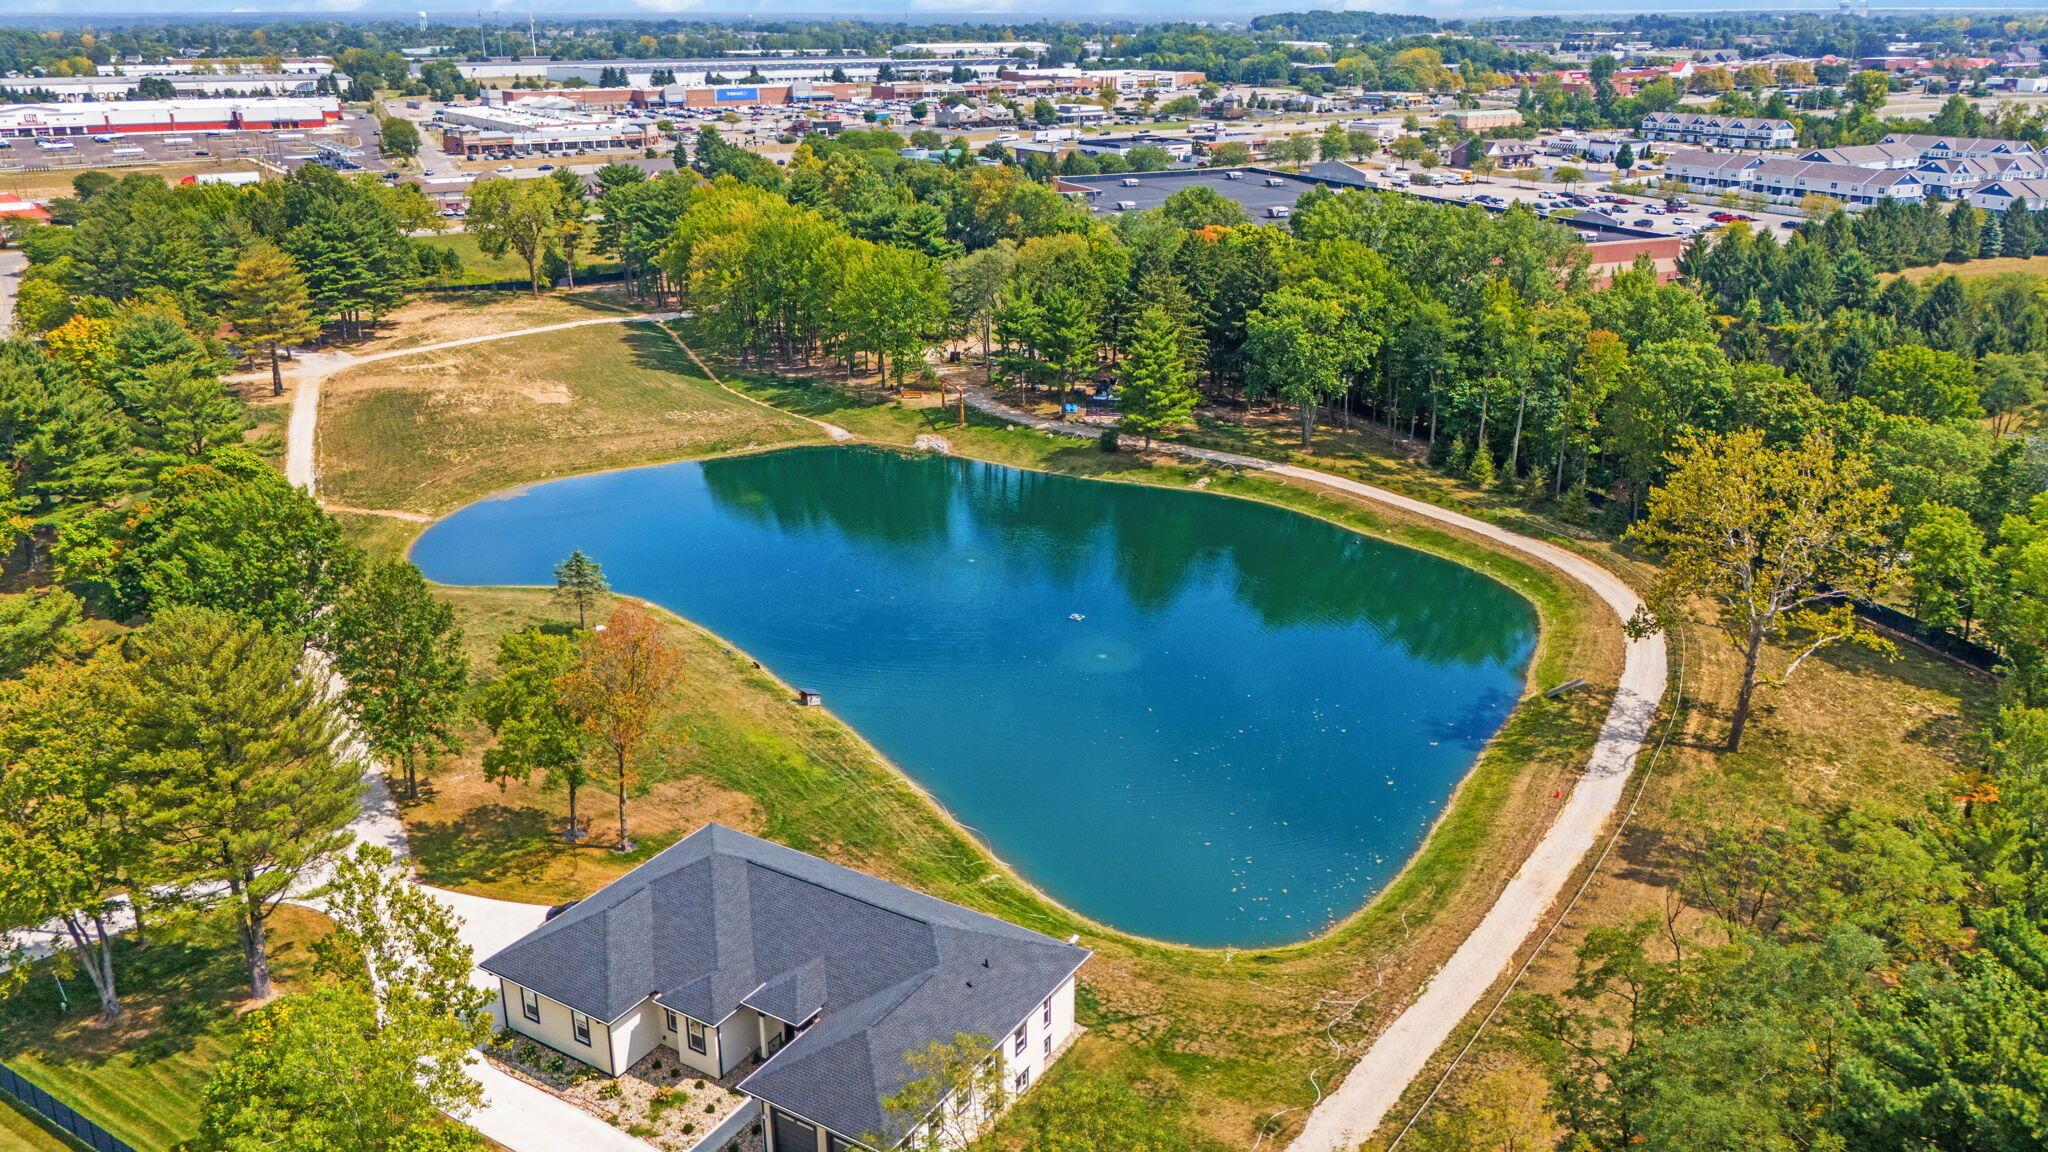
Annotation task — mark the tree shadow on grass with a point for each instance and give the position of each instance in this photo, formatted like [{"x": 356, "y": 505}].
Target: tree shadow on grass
[
  {"x": 176, "y": 990},
  {"x": 487, "y": 844}
]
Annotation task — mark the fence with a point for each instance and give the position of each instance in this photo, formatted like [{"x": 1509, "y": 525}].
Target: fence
[
  {"x": 58, "y": 1113},
  {"x": 1947, "y": 643}
]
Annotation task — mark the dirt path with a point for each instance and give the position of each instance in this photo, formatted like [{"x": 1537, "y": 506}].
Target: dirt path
[
  {"x": 310, "y": 370},
  {"x": 1348, "y": 1115}
]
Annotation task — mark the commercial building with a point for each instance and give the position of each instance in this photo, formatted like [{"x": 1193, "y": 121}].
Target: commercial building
[
  {"x": 140, "y": 116},
  {"x": 819, "y": 985},
  {"x": 757, "y": 95},
  {"x": 488, "y": 130},
  {"x": 973, "y": 116},
  {"x": 1483, "y": 119},
  {"x": 1719, "y": 131},
  {"x": 1178, "y": 147},
  {"x": 199, "y": 66},
  {"x": 1503, "y": 153},
  {"x": 68, "y": 88},
  {"x": 971, "y": 47},
  {"x": 699, "y": 71}
]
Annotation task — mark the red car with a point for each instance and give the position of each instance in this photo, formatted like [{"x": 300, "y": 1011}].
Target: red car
[{"x": 1723, "y": 217}]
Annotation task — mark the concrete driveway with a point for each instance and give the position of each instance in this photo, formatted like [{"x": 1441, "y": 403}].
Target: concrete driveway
[{"x": 12, "y": 262}]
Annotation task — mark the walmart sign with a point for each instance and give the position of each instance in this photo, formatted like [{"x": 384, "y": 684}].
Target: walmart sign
[{"x": 738, "y": 95}]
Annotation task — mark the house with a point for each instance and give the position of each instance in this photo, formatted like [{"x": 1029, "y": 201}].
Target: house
[
  {"x": 1719, "y": 131},
  {"x": 1999, "y": 195},
  {"x": 817, "y": 981},
  {"x": 1503, "y": 153},
  {"x": 1952, "y": 177},
  {"x": 1867, "y": 156},
  {"x": 1787, "y": 181},
  {"x": 1958, "y": 147}
]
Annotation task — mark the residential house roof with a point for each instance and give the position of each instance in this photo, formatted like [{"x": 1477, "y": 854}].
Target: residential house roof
[
  {"x": 1887, "y": 154},
  {"x": 722, "y": 919}
]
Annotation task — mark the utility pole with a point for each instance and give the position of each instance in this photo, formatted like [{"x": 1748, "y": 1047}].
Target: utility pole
[{"x": 532, "y": 37}]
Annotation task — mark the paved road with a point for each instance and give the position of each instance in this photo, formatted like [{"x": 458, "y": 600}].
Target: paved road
[
  {"x": 1375, "y": 1084},
  {"x": 11, "y": 264}
]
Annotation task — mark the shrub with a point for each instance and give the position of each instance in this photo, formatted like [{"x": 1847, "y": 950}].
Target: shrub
[
  {"x": 689, "y": 1128},
  {"x": 643, "y": 1131},
  {"x": 699, "y": 1085},
  {"x": 609, "y": 1090},
  {"x": 1106, "y": 441}
]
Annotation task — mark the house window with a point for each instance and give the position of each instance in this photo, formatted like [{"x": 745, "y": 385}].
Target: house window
[
  {"x": 1023, "y": 1078},
  {"x": 1017, "y": 1041},
  {"x": 1045, "y": 1012},
  {"x": 696, "y": 1036},
  {"x": 529, "y": 1004},
  {"x": 1048, "y": 1047},
  {"x": 581, "y": 1024}
]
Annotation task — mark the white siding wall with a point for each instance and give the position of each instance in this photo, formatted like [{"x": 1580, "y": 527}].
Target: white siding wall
[
  {"x": 635, "y": 1035},
  {"x": 679, "y": 1039},
  {"x": 556, "y": 1030},
  {"x": 738, "y": 1038}
]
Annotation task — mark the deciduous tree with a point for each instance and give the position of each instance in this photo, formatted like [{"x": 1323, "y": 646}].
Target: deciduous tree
[
  {"x": 627, "y": 673},
  {"x": 1777, "y": 539},
  {"x": 398, "y": 649}
]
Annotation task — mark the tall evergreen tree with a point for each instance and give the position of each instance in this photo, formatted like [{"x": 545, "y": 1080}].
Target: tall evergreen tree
[{"x": 1158, "y": 382}]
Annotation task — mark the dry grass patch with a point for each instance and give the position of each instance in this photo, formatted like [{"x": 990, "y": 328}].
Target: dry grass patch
[
  {"x": 430, "y": 432},
  {"x": 436, "y": 319},
  {"x": 1979, "y": 269}
]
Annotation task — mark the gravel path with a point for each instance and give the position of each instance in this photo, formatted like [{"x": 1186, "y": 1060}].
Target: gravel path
[
  {"x": 310, "y": 369},
  {"x": 1348, "y": 1115}
]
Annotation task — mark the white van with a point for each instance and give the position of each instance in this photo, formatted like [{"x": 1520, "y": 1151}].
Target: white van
[
  {"x": 1275, "y": 182},
  {"x": 1233, "y": 175},
  {"x": 1130, "y": 181},
  {"x": 175, "y": 140},
  {"x": 56, "y": 145},
  {"x": 1126, "y": 205},
  {"x": 1279, "y": 212}
]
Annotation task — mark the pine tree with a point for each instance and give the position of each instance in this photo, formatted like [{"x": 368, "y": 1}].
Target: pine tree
[
  {"x": 579, "y": 581},
  {"x": 1480, "y": 470},
  {"x": 1158, "y": 382},
  {"x": 237, "y": 783},
  {"x": 268, "y": 306}
]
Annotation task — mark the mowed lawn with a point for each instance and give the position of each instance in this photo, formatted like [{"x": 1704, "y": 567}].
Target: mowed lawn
[
  {"x": 19, "y": 1132},
  {"x": 433, "y": 431},
  {"x": 480, "y": 267},
  {"x": 142, "y": 1077}
]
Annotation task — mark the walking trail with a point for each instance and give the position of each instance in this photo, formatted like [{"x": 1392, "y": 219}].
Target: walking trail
[
  {"x": 514, "y": 1113},
  {"x": 1347, "y": 1116},
  {"x": 310, "y": 369}
]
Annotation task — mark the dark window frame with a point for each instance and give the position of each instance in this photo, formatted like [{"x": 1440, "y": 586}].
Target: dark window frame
[
  {"x": 1020, "y": 1038},
  {"x": 529, "y": 1004},
  {"x": 694, "y": 1034},
  {"x": 579, "y": 1027}
]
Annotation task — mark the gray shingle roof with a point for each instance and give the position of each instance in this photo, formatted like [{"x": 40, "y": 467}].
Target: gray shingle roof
[{"x": 722, "y": 919}]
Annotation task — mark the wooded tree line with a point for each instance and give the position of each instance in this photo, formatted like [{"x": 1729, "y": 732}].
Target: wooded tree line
[{"x": 192, "y": 636}]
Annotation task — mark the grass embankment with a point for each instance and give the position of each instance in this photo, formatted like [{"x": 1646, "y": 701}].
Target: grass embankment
[
  {"x": 1234, "y": 1035},
  {"x": 1979, "y": 269},
  {"x": 140, "y": 1078},
  {"x": 430, "y": 432}
]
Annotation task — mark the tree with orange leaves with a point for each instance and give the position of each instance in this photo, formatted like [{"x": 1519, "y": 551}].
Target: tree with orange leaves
[{"x": 616, "y": 694}]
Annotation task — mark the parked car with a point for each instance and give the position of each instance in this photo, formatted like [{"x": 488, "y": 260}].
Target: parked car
[
  {"x": 1788, "y": 223},
  {"x": 547, "y": 168}
]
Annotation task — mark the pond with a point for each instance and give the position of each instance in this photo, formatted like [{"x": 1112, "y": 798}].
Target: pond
[{"x": 1202, "y": 719}]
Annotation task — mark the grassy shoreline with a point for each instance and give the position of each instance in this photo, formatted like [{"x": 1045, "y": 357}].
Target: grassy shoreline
[{"x": 1231, "y": 1035}]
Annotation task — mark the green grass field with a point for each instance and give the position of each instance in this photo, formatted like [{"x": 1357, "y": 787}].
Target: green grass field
[
  {"x": 479, "y": 267},
  {"x": 20, "y": 1132},
  {"x": 430, "y": 432},
  {"x": 142, "y": 1077}
]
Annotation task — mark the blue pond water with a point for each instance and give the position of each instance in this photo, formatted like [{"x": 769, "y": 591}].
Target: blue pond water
[{"x": 1201, "y": 719}]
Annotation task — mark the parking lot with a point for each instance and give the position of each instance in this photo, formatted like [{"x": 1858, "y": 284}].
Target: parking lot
[
  {"x": 1648, "y": 213},
  {"x": 353, "y": 139}
]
